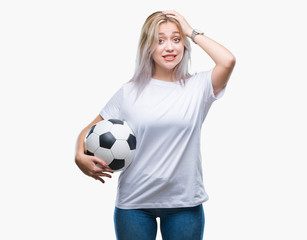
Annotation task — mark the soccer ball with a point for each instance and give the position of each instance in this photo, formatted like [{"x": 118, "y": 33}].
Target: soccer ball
[{"x": 113, "y": 141}]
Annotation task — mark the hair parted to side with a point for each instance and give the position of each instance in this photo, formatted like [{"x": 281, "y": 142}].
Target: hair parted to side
[{"x": 145, "y": 66}]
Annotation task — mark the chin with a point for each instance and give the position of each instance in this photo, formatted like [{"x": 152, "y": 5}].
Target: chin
[{"x": 170, "y": 66}]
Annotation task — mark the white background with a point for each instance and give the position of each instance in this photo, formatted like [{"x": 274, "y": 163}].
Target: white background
[{"x": 61, "y": 60}]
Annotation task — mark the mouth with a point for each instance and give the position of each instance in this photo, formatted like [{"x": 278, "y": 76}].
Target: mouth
[{"x": 169, "y": 57}]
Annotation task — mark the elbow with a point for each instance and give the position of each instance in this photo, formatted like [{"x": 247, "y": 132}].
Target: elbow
[{"x": 230, "y": 62}]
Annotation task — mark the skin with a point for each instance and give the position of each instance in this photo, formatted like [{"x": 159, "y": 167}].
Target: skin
[
  {"x": 168, "y": 52},
  {"x": 169, "y": 44},
  {"x": 91, "y": 165},
  {"x": 223, "y": 58}
]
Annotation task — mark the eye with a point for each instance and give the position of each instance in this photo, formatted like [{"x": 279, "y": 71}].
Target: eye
[
  {"x": 177, "y": 40},
  {"x": 160, "y": 41}
]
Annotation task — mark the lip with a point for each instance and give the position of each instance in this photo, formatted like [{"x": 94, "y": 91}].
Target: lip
[{"x": 169, "y": 57}]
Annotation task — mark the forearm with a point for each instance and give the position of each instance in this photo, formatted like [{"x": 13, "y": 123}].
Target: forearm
[
  {"x": 219, "y": 54},
  {"x": 80, "y": 141},
  {"x": 90, "y": 165}
]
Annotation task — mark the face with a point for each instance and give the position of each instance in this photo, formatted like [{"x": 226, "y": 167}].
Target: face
[{"x": 170, "y": 48}]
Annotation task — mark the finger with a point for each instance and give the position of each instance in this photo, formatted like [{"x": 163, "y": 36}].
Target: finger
[
  {"x": 98, "y": 178},
  {"x": 107, "y": 169},
  {"x": 169, "y": 12},
  {"x": 103, "y": 175},
  {"x": 98, "y": 170},
  {"x": 172, "y": 16},
  {"x": 172, "y": 13},
  {"x": 100, "y": 161}
]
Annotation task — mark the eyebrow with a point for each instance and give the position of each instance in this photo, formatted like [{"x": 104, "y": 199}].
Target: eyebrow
[{"x": 172, "y": 33}]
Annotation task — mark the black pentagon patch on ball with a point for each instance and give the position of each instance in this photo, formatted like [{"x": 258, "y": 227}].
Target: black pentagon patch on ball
[
  {"x": 131, "y": 141},
  {"x": 89, "y": 153},
  {"x": 117, "y": 164},
  {"x": 90, "y": 131},
  {"x": 106, "y": 140},
  {"x": 116, "y": 121}
]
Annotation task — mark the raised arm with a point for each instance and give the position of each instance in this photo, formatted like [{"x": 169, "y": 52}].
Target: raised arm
[{"x": 223, "y": 58}]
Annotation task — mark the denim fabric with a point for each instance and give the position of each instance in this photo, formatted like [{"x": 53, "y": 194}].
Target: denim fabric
[{"x": 176, "y": 223}]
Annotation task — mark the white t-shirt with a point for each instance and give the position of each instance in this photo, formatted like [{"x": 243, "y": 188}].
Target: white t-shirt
[{"x": 166, "y": 119}]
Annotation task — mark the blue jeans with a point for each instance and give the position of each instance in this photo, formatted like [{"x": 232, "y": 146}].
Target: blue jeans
[{"x": 175, "y": 223}]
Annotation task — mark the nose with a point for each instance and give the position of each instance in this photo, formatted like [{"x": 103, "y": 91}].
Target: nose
[{"x": 169, "y": 46}]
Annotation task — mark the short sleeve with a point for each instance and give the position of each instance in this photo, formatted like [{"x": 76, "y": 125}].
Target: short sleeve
[
  {"x": 208, "y": 93},
  {"x": 113, "y": 107}
]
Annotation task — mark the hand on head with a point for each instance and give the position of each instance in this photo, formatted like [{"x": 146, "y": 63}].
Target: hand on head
[{"x": 186, "y": 27}]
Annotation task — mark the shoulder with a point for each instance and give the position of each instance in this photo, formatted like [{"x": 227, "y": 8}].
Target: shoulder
[
  {"x": 128, "y": 89},
  {"x": 200, "y": 78},
  {"x": 125, "y": 86},
  {"x": 128, "y": 86},
  {"x": 202, "y": 75}
]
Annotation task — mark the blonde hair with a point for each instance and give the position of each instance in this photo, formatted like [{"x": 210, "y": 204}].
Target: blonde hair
[{"x": 145, "y": 65}]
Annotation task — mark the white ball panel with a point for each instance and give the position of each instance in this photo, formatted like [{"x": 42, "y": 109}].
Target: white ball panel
[
  {"x": 120, "y": 149},
  {"x": 104, "y": 154},
  {"x": 120, "y": 131},
  {"x": 92, "y": 142},
  {"x": 103, "y": 127},
  {"x": 127, "y": 126},
  {"x": 129, "y": 158}
]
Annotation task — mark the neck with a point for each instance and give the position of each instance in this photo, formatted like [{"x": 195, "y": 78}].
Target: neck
[{"x": 164, "y": 75}]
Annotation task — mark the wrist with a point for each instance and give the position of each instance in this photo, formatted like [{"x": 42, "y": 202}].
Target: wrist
[
  {"x": 189, "y": 32},
  {"x": 194, "y": 33},
  {"x": 78, "y": 156}
]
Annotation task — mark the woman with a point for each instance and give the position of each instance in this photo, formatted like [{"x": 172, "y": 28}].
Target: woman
[{"x": 165, "y": 106}]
